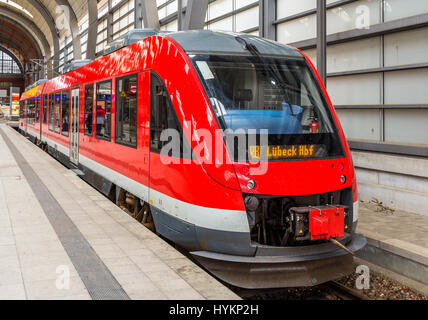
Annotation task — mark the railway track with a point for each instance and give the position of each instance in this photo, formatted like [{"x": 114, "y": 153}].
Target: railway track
[
  {"x": 344, "y": 292},
  {"x": 332, "y": 290}
]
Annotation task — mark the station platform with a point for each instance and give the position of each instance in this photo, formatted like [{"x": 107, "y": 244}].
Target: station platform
[
  {"x": 62, "y": 239},
  {"x": 396, "y": 241}
]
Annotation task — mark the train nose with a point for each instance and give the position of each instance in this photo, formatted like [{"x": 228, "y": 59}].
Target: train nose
[{"x": 281, "y": 178}]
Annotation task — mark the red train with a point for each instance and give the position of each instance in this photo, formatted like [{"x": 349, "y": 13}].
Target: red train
[{"x": 227, "y": 143}]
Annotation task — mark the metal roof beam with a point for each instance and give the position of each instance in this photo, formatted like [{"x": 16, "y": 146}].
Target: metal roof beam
[
  {"x": 29, "y": 42},
  {"x": 196, "y": 13},
  {"x": 20, "y": 42},
  {"x": 39, "y": 6},
  {"x": 28, "y": 25},
  {"x": 74, "y": 27},
  {"x": 12, "y": 45},
  {"x": 147, "y": 11},
  {"x": 92, "y": 29}
]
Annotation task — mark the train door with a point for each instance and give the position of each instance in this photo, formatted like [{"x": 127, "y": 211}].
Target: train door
[
  {"x": 40, "y": 111},
  {"x": 143, "y": 122},
  {"x": 26, "y": 116},
  {"x": 74, "y": 127}
]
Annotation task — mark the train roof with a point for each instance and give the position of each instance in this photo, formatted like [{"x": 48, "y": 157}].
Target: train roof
[
  {"x": 208, "y": 41},
  {"x": 192, "y": 42}
]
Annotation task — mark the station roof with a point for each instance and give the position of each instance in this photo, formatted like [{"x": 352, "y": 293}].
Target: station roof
[{"x": 41, "y": 19}]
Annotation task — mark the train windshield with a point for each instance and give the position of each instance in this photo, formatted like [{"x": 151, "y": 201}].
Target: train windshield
[{"x": 255, "y": 95}]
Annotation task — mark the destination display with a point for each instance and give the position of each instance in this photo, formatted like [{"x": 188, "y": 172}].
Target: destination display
[{"x": 284, "y": 152}]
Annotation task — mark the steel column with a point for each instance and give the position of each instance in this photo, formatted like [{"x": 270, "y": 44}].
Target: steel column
[
  {"x": 92, "y": 29},
  {"x": 322, "y": 40},
  {"x": 195, "y": 14},
  {"x": 267, "y": 28},
  {"x": 180, "y": 15},
  {"x": 74, "y": 29},
  {"x": 109, "y": 23},
  {"x": 147, "y": 11}
]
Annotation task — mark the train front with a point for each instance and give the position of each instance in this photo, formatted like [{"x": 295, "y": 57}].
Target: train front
[{"x": 291, "y": 160}]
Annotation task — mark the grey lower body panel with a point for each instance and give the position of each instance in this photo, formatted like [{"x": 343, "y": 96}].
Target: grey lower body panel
[
  {"x": 281, "y": 269},
  {"x": 195, "y": 238},
  {"x": 231, "y": 256}
]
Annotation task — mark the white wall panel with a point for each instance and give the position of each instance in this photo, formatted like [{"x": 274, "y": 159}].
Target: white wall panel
[
  {"x": 363, "y": 124},
  {"x": 407, "y": 87},
  {"x": 297, "y": 30},
  {"x": 247, "y": 19},
  {"x": 357, "y": 15},
  {"x": 172, "y": 26},
  {"x": 171, "y": 8},
  {"x": 406, "y": 126},
  {"x": 286, "y": 8},
  {"x": 355, "y": 90},
  {"x": 225, "y": 24},
  {"x": 242, "y": 3},
  {"x": 355, "y": 55},
  {"x": 219, "y": 8},
  {"x": 406, "y": 47},
  {"x": 396, "y": 9}
]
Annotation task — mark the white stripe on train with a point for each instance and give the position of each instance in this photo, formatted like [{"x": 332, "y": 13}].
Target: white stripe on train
[{"x": 210, "y": 218}]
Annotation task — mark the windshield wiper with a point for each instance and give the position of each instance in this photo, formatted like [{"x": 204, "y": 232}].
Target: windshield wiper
[{"x": 268, "y": 67}]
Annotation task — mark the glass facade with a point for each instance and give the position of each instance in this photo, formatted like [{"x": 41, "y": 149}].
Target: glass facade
[{"x": 8, "y": 65}]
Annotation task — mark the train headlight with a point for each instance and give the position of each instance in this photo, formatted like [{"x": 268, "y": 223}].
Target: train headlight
[
  {"x": 343, "y": 179},
  {"x": 251, "y": 184},
  {"x": 251, "y": 203}
]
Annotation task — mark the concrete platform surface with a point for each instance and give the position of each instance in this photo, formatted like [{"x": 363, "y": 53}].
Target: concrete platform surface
[
  {"x": 397, "y": 240},
  {"x": 75, "y": 244}
]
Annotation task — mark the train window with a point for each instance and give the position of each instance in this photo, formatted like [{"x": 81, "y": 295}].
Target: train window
[
  {"x": 65, "y": 112},
  {"x": 32, "y": 110},
  {"x": 29, "y": 111},
  {"x": 58, "y": 112},
  {"x": 51, "y": 111},
  {"x": 45, "y": 108},
  {"x": 89, "y": 109},
  {"x": 37, "y": 109},
  {"x": 163, "y": 117},
  {"x": 21, "y": 109},
  {"x": 103, "y": 118},
  {"x": 26, "y": 110},
  {"x": 252, "y": 94},
  {"x": 126, "y": 111}
]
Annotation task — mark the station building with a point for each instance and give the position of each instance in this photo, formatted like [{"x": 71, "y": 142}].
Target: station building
[{"x": 372, "y": 57}]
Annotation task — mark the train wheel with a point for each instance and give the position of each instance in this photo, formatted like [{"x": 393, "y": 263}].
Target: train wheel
[{"x": 147, "y": 218}]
